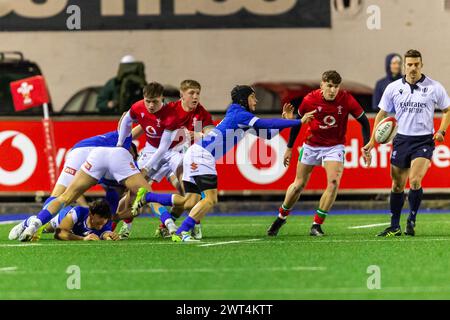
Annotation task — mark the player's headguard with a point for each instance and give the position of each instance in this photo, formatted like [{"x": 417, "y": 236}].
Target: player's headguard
[{"x": 240, "y": 94}]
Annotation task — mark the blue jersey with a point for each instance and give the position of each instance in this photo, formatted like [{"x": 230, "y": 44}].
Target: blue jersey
[
  {"x": 229, "y": 131},
  {"x": 103, "y": 140},
  {"x": 79, "y": 217}
]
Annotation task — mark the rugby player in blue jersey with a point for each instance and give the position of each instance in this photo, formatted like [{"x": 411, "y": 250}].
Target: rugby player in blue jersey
[{"x": 199, "y": 162}]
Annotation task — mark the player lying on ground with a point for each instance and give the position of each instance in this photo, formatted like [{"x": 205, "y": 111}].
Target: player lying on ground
[
  {"x": 413, "y": 99},
  {"x": 75, "y": 158},
  {"x": 168, "y": 128},
  {"x": 324, "y": 145},
  {"x": 80, "y": 223},
  {"x": 199, "y": 162},
  {"x": 115, "y": 162}
]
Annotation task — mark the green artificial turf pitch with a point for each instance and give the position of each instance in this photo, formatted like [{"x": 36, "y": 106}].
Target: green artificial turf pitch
[{"x": 293, "y": 265}]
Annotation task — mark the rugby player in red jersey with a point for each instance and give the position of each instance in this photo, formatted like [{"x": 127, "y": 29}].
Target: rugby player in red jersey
[{"x": 324, "y": 145}]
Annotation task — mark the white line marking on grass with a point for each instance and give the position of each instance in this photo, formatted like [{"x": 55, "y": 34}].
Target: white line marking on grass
[
  {"x": 20, "y": 245},
  {"x": 370, "y": 225},
  {"x": 10, "y": 221},
  {"x": 394, "y": 240},
  {"x": 193, "y": 270},
  {"x": 8, "y": 269},
  {"x": 90, "y": 244},
  {"x": 226, "y": 242}
]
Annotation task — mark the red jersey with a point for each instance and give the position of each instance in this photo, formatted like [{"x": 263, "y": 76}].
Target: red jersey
[
  {"x": 196, "y": 120},
  {"x": 329, "y": 125},
  {"x": 154, "y": 124}
]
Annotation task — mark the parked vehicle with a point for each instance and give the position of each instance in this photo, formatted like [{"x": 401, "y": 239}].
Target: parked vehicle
[
  {"x": 84, "y": 101},
  {"x": 272, "y": 95}
]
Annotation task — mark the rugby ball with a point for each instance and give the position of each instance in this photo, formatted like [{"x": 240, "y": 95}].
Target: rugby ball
[{"x": 386, "y": 130}]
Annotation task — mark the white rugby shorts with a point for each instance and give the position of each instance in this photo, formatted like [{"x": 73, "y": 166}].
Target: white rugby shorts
[
  {"x": 315, "y": 156},
  {"x": 168, "y": 165},
  {"x": 74, "y": 159},
  {"x": 198, "y": 161},
  {"x": 112, "y": 161}
]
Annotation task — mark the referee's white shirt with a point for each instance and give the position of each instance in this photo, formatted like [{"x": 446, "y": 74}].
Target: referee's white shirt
[{"x": 414, "y": 105}]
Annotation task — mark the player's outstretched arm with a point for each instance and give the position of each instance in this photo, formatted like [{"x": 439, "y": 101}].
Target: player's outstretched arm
[
  {"x": 439, "y": 136},
  {"x": 166, "y": 139},
  {"x": 137, "y": 132},
  {"x": 64, "y": 230},
  {"x": 125, "y": 126},
  {"x": 110, "y": 235}
]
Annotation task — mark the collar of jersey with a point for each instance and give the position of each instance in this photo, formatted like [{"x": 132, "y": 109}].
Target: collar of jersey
[{"x": 414, "y": 86}]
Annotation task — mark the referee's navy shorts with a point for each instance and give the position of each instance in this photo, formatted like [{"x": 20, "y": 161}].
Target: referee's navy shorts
[{"x": 407, "y": 148}]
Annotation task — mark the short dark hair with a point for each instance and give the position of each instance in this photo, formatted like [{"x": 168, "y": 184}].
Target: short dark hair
[
  {"x": 100, "y": 207},
  {"x": 153, "y": 90},
  {"x": 411, "y": 53},
  {"x": 333, "y": 76}
]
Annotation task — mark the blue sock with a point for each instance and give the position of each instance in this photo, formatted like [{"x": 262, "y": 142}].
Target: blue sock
[
  {"x": 187, "y": 225},
  {"x": 112, "y": 197},
  {"x": 396, "y": 202},
  {"x": 45, "y": 216},
  {"x": 164, "y": 215},
  {"x": 164, "y": 199},
  {"x": 414, "y": 199},
  {"x": 47, "y": 202}
]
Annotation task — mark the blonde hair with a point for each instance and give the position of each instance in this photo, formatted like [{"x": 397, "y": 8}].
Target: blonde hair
[{"x": 190, "y": 84}]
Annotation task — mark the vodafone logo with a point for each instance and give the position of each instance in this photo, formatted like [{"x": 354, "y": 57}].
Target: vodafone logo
[
  {"x": 247, "y": 166},
  {"x": 151, "y": 132},
  {"x": 29, "y": 155}
]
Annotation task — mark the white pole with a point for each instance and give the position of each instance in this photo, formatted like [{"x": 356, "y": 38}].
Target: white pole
[{"x": 46, "y": 114}]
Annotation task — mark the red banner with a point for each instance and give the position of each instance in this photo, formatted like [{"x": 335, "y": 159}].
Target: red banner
[
  {"x": 254, "y": 168},
  {"x": 29, "y": 93}
]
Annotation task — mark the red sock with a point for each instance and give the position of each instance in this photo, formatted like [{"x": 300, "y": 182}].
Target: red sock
[
  {"x": 113, "y": 225},
  {"x": 128, "y": 220},
  {"x": 320, "y": 216},
  {"x": 283, "y": 213}
]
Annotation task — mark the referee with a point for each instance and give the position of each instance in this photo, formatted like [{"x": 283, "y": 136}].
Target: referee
[{"x": 413, "y": 99}]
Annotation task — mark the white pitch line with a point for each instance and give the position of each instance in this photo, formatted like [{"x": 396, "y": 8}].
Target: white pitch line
[
  {"x": 193, "y": 270},
  {"x": 370, "y": 225},
  {"x": 7, "y": 269},
  {"x": 10, "y": 221},
  {"x": 20, "y": 245},
  {"x": 227, "y": 242}
]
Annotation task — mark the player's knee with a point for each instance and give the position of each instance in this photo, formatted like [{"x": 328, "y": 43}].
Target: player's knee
[
  {"x": 212, "y": 200},
  {"x": 397, "y": 188},
  {"x": 188, "y": 205},
  {"x": 415, "y": 182},
  {"x": 333, "y": 185},
  {"x": 298, "y": 186}
]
